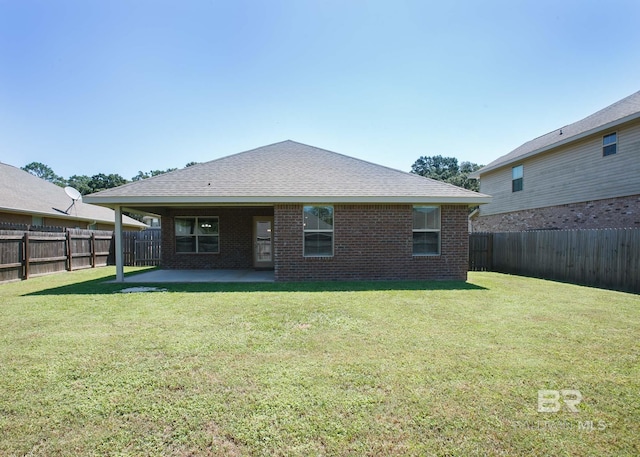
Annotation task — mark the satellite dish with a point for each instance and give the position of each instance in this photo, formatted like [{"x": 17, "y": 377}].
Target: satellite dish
[{"x": 74, "y": 195}]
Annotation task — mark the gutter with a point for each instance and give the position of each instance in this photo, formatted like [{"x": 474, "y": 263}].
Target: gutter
[{"x": 270, "y": 200}]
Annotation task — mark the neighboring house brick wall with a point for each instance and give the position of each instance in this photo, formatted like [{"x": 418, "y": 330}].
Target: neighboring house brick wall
[
  {"x": 12, "y": 218},
  {"x": 623, "y": 212},
  {"x": 111, "y": 227},
  {"x": 236, "y": 238},
  {"x": 371, "y": 242},
  {"x": 68, "y": 223}
]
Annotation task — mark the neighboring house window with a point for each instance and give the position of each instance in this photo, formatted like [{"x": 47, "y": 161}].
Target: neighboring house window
[
  {"x": 318, "y": 231},
  {"x": 516, "y": 178},
  {"x": 426, "y": 230},
  {"x": 37, "y": 220},
  {"x": 197, "y": 234},
  {"x": 609, "y": 144}
]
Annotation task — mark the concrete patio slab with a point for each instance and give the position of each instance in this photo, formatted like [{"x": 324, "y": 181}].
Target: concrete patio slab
[{"x": 186, "y": 276}]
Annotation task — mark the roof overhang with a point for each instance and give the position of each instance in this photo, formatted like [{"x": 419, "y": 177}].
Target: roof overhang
[
  {"x": 571, "y": 139},
  {"x": 63, "y": 215},
  {"x": 137, "y": 202}
]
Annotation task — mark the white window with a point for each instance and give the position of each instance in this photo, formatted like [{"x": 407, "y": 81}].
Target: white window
[
  {"x": 609, "y": 144},
  {"x": 197, "y": 235},
  {"x": 318, "y": 231},
  {"x": 37, "y": 220},
  {"x": 426, "y": 230},
  {"x": 517, "y": 174}
]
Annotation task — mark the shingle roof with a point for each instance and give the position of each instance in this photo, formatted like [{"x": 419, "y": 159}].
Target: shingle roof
[
  {"x": 286, "y": 172},
  {"x": 21, "y": 192},
  {"x": 622, "y": 111}
]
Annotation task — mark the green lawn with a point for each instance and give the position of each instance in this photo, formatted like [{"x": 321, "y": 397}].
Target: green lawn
[{"x": 316, "y": 369}]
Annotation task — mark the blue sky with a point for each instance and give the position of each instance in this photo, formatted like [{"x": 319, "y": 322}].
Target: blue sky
[{"x": 119, "y": 86}]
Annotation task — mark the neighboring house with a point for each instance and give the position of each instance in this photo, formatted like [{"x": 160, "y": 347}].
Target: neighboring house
[
  {"x": 29, "y": 200},
  {"x": 584, "y": 175},
  {"x": 306, "y": 213}
]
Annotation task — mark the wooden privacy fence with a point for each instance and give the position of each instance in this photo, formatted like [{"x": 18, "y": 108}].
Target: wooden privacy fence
[
  {"x": 142, "y": 249},
  {"x": 25, "y": 253},
  {"x": 480, "y": 250},
  {"x": 32, "y": 253},
  {"x": 607, "y": 258}
]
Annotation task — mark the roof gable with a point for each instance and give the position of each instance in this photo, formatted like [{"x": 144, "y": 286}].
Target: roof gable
[
  {"x": 286, "y": 171},
  {"x": 22, "y": 192},
  {"x": 620, "y": 112}
]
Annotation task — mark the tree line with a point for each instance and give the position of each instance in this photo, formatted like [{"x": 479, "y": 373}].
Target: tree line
[
  {"x": 447, "y": 169},
  {"x": 90, "y": 184}
]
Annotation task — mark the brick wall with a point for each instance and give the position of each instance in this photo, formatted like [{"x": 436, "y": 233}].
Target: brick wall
[
  {"x": 622, "y": 212},
  {"x": 11, "y": 218},
  {"x": 236, "y": 238},
  {"x": 371, "y": 242}
]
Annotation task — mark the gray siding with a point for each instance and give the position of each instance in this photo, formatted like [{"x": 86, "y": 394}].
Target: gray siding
[{"x": 573, "y": 173}]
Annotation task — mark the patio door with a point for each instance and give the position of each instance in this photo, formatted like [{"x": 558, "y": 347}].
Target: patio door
[{"x": 263, "y": 242}]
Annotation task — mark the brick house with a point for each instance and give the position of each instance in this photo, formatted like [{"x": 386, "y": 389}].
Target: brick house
[
  {"x": 306, "y": 213},
  {"x": 583, "y": 175},
  {"x": 27, "y": 200}
]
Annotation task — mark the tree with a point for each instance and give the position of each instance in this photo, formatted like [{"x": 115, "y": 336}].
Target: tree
[
  {"x": 190, "y": 164},
  {"x": 81, "y": 183},
  {"x": 44, "y": 172},
  {"x": 436, "y": 167},
  {"x": 447, "y": 169},
  {"x": 144, "y": 175},
  {"x": 101, "y": 181},
  {"x": 462, "y": 179}
]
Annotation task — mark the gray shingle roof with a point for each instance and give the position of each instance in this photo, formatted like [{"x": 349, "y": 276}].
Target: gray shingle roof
[
  {"x": 286, "y": 172},
  {"x": 21, "y": 192},
  {"x": 622, "y": 111}
]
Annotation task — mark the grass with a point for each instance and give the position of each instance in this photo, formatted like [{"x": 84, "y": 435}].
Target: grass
[{"x": 316, "y": 369}]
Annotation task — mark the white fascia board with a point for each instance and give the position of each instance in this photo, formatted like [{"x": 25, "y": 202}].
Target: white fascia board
[
  {"x": 579, "y": 136},
  {"x": 32, "y": 212},
  {"x": 269, "y": 200},
  {"x": 70, "y": 217}
]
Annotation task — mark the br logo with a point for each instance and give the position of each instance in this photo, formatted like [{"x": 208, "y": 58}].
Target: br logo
[{"x": 550, "y": 401}]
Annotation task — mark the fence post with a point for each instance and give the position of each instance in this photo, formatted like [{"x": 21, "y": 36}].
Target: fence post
[
  {"x": 490, "y": 252},
  {"x": 92, "y": 247},
  {"x": 26, "y": 255},
  {"x": 68, "y": 246}
]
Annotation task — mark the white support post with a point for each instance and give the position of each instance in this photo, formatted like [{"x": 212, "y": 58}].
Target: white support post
[{"x": 119, "y": 256}]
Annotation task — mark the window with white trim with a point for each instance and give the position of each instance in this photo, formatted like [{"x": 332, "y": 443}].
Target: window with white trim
[
  {"x": 197, "y": 235},
  {"x": 426, "y": 230},
  {"x": 517, "y": 175},
  {"x": 318, "y": 231},
  {"x": 610, "y": 144}
]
